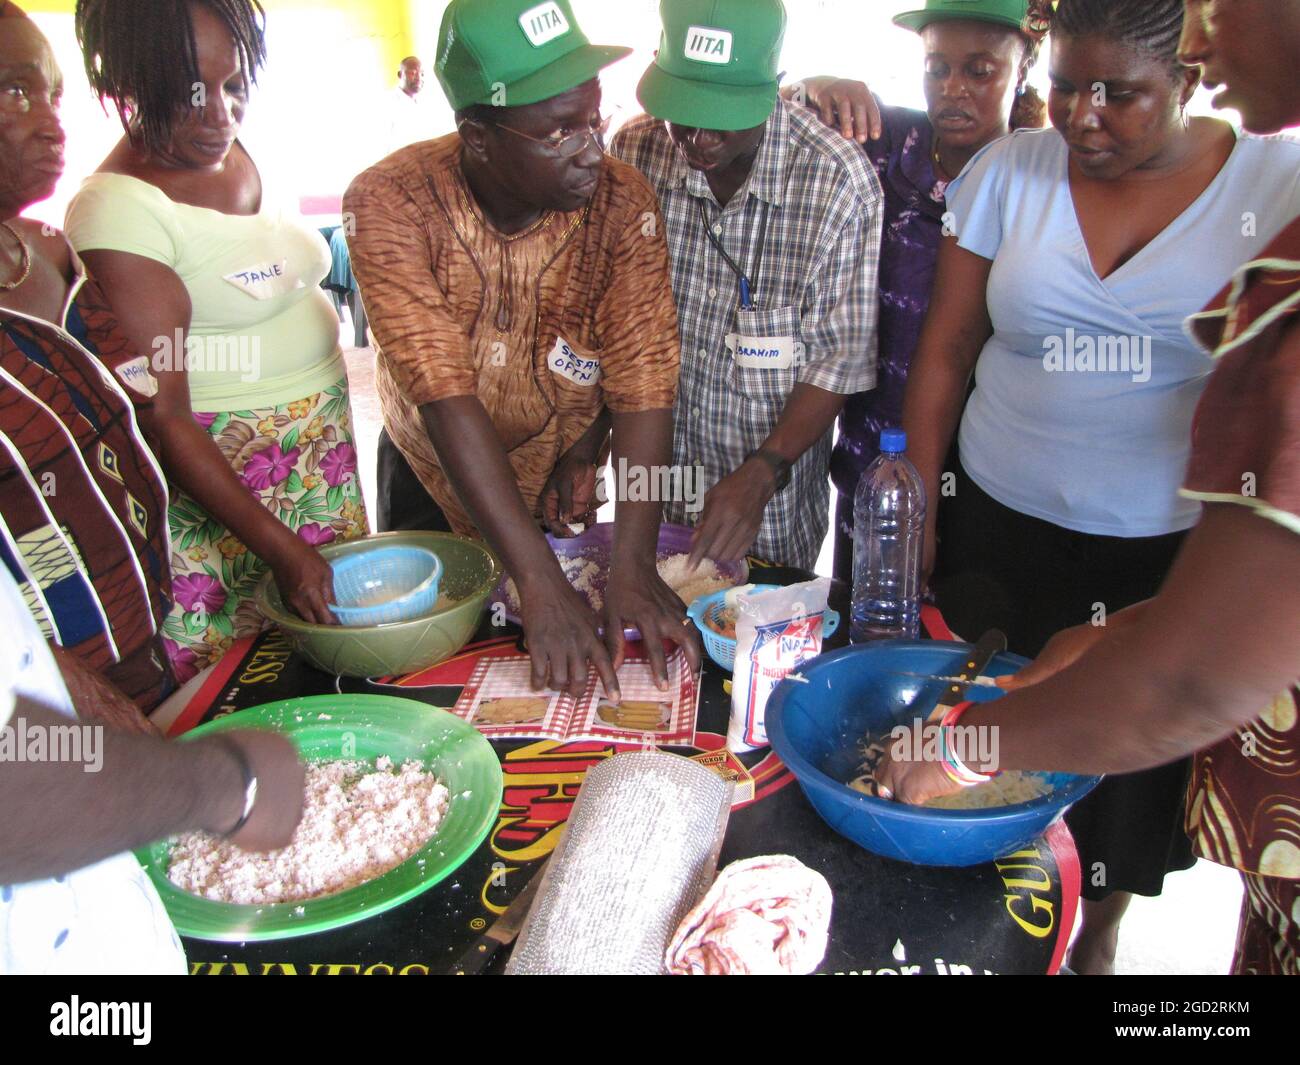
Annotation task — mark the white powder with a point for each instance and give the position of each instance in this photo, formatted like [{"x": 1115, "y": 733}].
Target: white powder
[
  {"x": 690, "y": 584},
  {"x": 357, "y": 824}
]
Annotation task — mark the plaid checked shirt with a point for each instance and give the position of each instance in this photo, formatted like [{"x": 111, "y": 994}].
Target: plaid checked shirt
[{"x": 816, "y": 284}]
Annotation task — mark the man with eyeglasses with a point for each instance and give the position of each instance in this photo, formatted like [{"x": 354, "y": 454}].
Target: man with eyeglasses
[
  {"x": 774, "y": 232},
  {"x": 517, "y": 283}
]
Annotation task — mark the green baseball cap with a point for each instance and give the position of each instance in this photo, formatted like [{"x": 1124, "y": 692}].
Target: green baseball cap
[
  {"x": 717, "y": 64},
  {"x": 1003, "y": 12},
  {"x": 509, "y": 53}
]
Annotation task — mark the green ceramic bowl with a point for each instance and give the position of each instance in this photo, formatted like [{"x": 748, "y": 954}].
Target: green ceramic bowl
[
  {"x": 470, "y": 575},
  {"x": 362, "y": 727}
]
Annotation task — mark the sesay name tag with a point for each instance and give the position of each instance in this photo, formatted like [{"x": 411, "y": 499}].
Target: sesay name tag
[
  {"x": 264, "y": 281},
  {"x": 761, "y": 353},
  {"x": 137, "y": 376},
  {"x": 566, "y": 362}
]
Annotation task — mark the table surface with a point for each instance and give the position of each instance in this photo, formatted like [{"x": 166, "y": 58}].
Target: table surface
[{"x": 1012, "y": 916}]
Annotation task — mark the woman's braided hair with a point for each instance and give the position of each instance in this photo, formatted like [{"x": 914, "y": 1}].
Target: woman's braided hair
[
  {"x": 1152, "y": 26},
  {"x": 141, "y": 55}
]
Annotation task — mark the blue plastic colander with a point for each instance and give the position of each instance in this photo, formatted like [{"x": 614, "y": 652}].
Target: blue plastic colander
[
  {"x": 722, "y": 649},
  {"x": 385, "y": 585}
]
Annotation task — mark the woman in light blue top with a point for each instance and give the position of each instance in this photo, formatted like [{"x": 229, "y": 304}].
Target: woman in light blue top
[{"x": 1080, "y": 251}]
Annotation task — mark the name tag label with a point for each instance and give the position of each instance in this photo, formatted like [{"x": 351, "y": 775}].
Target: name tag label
[
  {"x": 544, "y": 23},
  {"x": 137, "y": 376},
  {"x": 761, "y": 353},
  {"x": 264, "y": 281},
  {"x": 566, "y": 362},
  {"x": 707, "y": 45}
]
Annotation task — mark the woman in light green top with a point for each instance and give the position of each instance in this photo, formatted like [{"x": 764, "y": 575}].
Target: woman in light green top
[{"x": 223, "y": 290}]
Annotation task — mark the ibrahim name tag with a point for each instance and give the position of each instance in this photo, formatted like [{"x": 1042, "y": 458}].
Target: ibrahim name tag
[
  {"x": 566, "y": 362},
  {"x": 761, "y": 353},
  {"x": 265, "y": 281}
]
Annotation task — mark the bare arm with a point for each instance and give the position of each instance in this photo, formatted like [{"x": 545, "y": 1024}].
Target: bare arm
[
  {"x": 560, "y": 628},
  {"x": 1183, "y": 671},
  {"x": 60, "y": 817},
  {"x": 955, "y": 332},
  {"x": 153, "y": 308},
  {"x": 841, "y": 103},
  {"x": 97, "y": 700},
  {"x": 733, "y": 509},
  {"x": 1206, "y": 656},
  {"x": 636, "y": 594}
]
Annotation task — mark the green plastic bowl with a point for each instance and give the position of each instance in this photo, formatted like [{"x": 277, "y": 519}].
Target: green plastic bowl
[
  {"x": 328, "y": 728},
  {"x": 470, "y": 575}
]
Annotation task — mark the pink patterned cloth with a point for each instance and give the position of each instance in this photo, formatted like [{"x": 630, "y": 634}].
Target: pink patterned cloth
[{"x": 764, "y": 916}]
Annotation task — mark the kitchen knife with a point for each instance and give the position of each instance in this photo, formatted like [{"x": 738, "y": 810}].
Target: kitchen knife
[{"x": 503, "y": 932}]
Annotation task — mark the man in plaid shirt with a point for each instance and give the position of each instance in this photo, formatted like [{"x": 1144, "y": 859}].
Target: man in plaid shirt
[{"x": 773, "y": 225}]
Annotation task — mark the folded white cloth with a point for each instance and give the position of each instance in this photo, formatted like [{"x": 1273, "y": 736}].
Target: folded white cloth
[{"x": 762, "y": 916}]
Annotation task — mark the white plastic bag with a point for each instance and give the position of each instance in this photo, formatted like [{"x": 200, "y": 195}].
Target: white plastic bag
[{"x": 776, "y": 632}]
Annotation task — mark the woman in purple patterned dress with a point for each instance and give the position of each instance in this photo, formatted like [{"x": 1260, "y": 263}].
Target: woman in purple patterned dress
[{"x": 978, "y": 58}]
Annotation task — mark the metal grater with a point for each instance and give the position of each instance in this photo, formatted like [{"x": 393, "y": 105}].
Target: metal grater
[{"x": 640, "y": 849}]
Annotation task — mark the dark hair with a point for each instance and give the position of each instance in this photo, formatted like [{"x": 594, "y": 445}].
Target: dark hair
[
  {"x": 141, "y": 55},
  {"x": 1152, "y": 26},
  {"x": 1030, "y": 110},
  {"x": 483, "y": 114}
]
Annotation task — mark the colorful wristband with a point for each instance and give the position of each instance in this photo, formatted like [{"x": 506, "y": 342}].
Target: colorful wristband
[{"x": 956, "y": 769}]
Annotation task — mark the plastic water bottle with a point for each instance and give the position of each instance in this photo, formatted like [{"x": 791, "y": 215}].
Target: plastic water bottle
[{"x": 888, "y": 538}]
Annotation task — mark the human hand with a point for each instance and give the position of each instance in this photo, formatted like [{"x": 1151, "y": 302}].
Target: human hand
[
  {"x": 305, "y": 580},
  {"x": 569, "y": 496},
  {"x": 637, "y": 596},
  {"x": 563, "y": 639},
  {"x": 844, "y": 105},
  {"x": 281, "y": 789},
  {"x": 1061, "y": 652},
  {"x": 733, "y": 513},
  {"x": 900, "y": 778}
]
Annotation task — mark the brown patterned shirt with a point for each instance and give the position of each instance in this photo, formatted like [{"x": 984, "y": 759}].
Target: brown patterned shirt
[
  {"x": 545, "y": 327},
  {"x": 1244, "y": 801}
]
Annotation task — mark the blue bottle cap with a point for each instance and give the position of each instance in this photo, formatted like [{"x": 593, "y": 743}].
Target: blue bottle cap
[{"x": 893, "y": 441}]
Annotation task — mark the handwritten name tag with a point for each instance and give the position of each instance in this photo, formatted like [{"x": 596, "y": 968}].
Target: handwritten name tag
[
  {"x": 264, "y": 281},
  {"x": 566, "y": 362},
  {"x": 137, "y": 376},
  {"x": 761, "y": 353}
]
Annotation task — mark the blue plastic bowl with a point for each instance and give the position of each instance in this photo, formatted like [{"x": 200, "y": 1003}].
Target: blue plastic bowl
[
  {"x": 385, "y": 585},
  {"x": 722, "y": 649},
  {"x": 817, "y": 729}
]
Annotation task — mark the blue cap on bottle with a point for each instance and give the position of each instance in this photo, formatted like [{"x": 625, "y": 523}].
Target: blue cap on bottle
[{"x": 893, "y": 441}]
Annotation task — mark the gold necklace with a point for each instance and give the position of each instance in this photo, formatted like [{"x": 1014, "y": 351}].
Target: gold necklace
[
  {"x": 24, "y": 264},
  {"x": 939, "y": 171}
]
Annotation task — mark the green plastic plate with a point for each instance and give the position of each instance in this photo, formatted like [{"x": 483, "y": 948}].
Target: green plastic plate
[{"x": 361, "y": 727}]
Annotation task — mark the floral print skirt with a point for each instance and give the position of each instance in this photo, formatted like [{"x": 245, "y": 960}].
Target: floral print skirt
[{"x": 299, "y": 461}]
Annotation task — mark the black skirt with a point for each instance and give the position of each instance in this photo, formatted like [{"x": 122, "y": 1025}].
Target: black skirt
[{"x": 998, "y": 568}]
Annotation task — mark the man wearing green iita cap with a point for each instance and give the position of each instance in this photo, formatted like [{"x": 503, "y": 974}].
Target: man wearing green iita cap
[
  {"x": 517, "y": 283},
  {"x": 774, "y": 231}
]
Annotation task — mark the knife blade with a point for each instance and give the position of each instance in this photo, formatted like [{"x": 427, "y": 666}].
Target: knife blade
[
  {"x": 988, "y": 646},
  {"x": 503, "y": 932}
]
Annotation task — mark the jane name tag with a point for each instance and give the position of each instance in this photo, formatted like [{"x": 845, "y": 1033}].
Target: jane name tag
[
  {"x": 566, "y": 362},
  {"x": 761, "y": 353},
  {"x": 265, "y": 280}
]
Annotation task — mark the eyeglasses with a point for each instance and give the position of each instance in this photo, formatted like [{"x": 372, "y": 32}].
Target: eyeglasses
[{"x": 566, "y": 145}]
